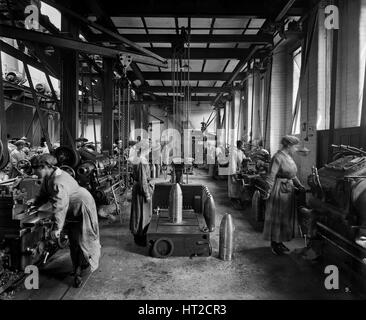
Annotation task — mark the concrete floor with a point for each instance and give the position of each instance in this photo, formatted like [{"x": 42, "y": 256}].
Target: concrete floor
[{"x": 127, "y": 272}]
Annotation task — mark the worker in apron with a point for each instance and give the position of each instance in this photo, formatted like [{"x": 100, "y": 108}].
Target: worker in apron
[{"x": 74, "y": 211}]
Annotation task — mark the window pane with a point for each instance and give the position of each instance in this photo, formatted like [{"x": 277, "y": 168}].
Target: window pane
[{"x": 296, "y": 67}]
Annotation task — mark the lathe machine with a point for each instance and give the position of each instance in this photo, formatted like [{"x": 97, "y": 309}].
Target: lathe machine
[
  {"x": 24, "y": 231},
  {"x": 338, "y": 202},
  {"x": 97, "y": 172}
]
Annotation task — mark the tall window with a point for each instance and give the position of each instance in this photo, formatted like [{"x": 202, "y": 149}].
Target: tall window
[{"x": 296, "y": 109}]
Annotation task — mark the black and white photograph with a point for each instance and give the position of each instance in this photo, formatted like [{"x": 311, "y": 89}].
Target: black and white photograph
[{"x": 182, "y": 157}]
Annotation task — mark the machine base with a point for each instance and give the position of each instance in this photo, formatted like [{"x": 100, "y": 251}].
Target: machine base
[{"x": 187, "y": 239}]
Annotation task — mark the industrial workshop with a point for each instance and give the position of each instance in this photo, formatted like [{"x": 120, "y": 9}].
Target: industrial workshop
[{"x": 183, "y": 150}]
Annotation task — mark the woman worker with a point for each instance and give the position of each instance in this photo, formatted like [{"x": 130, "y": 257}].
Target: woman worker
[
  {"x": 142, "y": 190},
  {"x": 15, "y": 156},
  {"x": 74, "y": 210},
  {"x": 280, "y": 215}
]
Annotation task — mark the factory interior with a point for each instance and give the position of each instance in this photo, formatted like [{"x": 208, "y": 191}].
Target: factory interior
[{"x": 199, "y": 150}]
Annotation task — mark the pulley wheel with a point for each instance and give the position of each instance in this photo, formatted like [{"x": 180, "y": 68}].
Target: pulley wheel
[
  {"x": 67, "y": 156},
  {"x": 162, "y": 248}
]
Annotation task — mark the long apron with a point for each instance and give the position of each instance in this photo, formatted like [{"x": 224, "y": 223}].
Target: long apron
[
  {"x": 84, "y": 234},
  {"x": 141, "y": 210},
  {"x": 280, "y": 216}
]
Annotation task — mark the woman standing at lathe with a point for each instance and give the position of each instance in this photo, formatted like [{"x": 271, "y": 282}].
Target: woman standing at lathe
[
  {"x": 74, "y": 211},
  {"x": 280, "y": 216}
]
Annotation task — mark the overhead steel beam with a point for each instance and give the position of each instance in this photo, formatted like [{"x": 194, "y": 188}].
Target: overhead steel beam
[
  {"x": 107, "y": 22},
  {"x": 22, "y": 88},
  {"x": 237, "y": 71},
  {"x": 161, "y": 89},
  {"x": 193, "y": 76},
  {"x": 10, "y": 50},
  {"x": 45, "y": 22},
  {"x": 104, "y": 30},
  {"x": 194, "y": 38},
  {"x": 207, "y": 53},
  {"x": 25, "y": 104},
  {"x": 72, "y": 44},
  {"x": 196, "y": 8},
  {"x": 285, "y": 10},
  {"x": 169, "y": 101}
]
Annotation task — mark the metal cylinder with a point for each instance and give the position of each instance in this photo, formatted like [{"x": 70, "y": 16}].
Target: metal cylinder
[
  {"x": 176, "y": 204},
  {"x": 209, "y": 213},
  {"x": 226, "y": 245}
]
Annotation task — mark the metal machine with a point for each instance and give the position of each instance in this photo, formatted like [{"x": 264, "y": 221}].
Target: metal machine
[
  {"x": 24, "y": 231},
  {"x": 254, "y": 168},
  {"x": 190, "y": 234},
  {"x": 95, "y": 171},
  {"x": 338, "y": 202}
]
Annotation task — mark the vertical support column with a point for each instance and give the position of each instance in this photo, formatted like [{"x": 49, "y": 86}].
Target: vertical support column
[
  {"x": 256, "y": 129},
  {"x": 236, "y": 113},
  {"x": 250, "y": 106},
  {"x": 278, "y": 96},
  {"x": 218, "y": 118},
  {"x": 2, "y": 110},
  {"x": 107, "y": 109},
  {"x": 145, "y": 118},
  {"x": 227, "y": 121},
  {"x": 69, "y": 85},
  {"x": 137, "y": 113},
  {"x": 363, "y": 115},
  {"x": 333, "y": 94}
]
